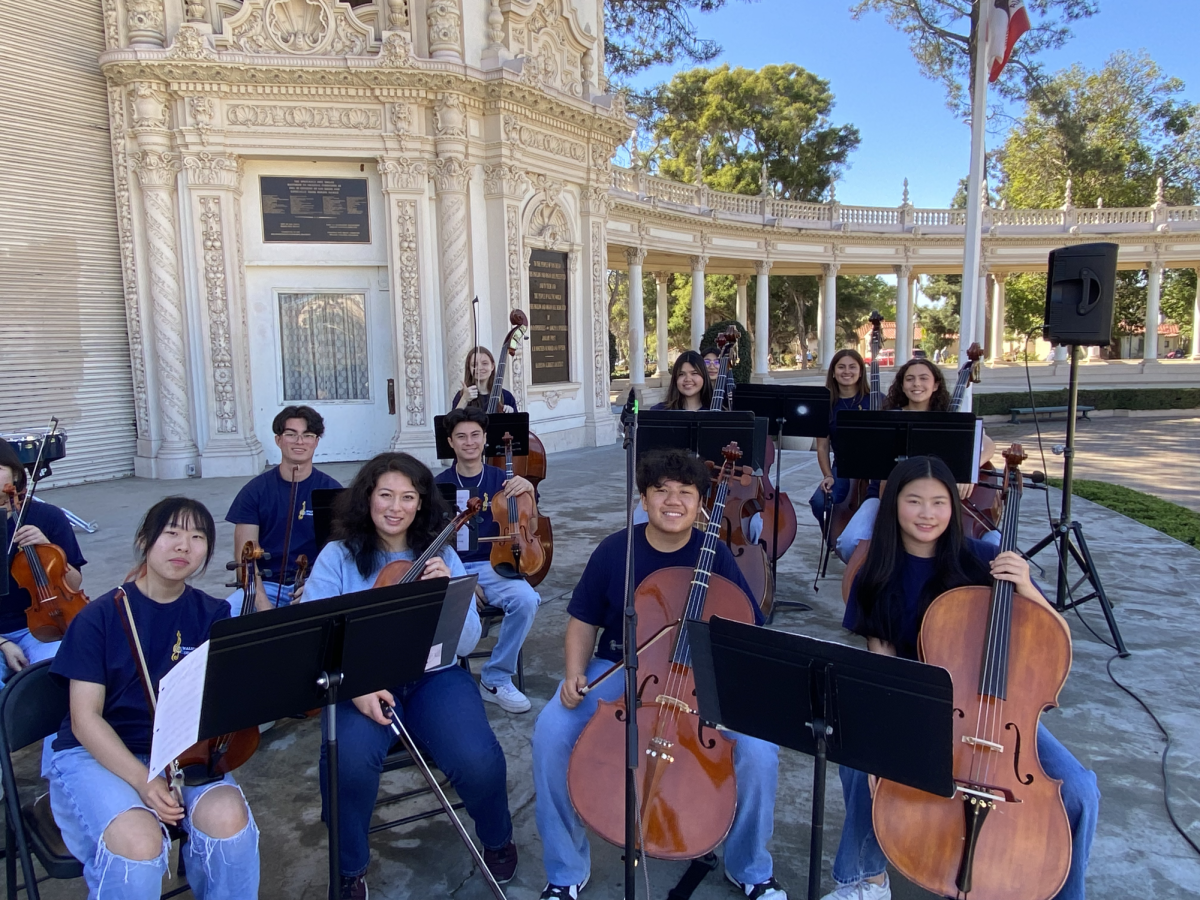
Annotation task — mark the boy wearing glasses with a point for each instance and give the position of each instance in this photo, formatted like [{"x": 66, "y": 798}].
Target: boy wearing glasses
[{"x": 264, "y": 507}]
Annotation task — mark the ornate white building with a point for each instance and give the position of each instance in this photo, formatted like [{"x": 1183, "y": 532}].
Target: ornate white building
[{"x": 213, "y": 208}]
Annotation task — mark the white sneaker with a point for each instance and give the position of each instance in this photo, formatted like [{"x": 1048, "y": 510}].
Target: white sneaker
[
  {"x": 506, "y": 696},
  {"x": 766, "y": 890},
  {"x": 862, "y": 890}
]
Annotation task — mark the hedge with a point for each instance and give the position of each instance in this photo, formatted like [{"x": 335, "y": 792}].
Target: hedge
[
  {"x": 745, "y": 364},
  {"x": 1104, "y": 398}
]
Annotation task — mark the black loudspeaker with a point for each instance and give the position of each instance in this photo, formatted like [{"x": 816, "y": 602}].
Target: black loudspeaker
[{"x": 1079, "y": 295}]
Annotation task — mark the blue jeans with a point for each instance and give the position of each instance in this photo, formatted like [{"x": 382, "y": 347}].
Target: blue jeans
[
  {"x": 444, "y": 714},
  {"x": 838, "y": 493},
  {"x": 565, "y": 851},
  {"x": 85, "y": 798},
  {"x": 280, "y": 596},
  {"x": 859, "y": 857},
  {"x": 519, "y": 602},
  {"x": 859, "y": 528}
]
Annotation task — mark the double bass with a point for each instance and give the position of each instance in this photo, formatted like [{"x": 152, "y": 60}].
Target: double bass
[
  {"x": 1004, "y": 834},
  {"x": 533, "y": 465},
  {"x": 685, "y": 776},
  {"x": 525, "y": 546},
  {"x": 982, "y": 510}
]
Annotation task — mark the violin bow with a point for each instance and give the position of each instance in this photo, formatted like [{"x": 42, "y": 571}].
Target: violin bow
[
  {"x": 287, "y": 532},
  {"x": 33, "y": 482},
  {"x": 475, "y": 352}
]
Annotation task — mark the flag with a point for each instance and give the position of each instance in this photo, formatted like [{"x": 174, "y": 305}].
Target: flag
[{"x": 1007, "y": 22}]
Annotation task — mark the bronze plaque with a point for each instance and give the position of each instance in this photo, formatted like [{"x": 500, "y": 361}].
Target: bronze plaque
[
  {"x": 548, "y": 336},
  {"x": 314, "y": 210}
]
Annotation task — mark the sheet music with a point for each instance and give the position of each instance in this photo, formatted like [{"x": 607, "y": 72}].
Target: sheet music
[
  {"x": 177, "y": 718},
  {"x": 978, "y": 442},
  {"x": 463, "y": 538}
]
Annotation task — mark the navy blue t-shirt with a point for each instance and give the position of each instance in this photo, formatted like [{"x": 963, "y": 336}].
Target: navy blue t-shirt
[
  {"x": 263, "y": 501},
  {"x": 914, "y": 572},
  {"x": 509, "y": 400},
  {"x": 95, "y": 649},
  {"x": 487, "y": 483},
  {"x": 599, "y": 598},
  {"x": 57, "y": 529},
  {"x": 862, "y": 401}
]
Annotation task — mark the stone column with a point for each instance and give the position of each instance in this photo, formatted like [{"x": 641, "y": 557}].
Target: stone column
[
  {"x": 829, "y": 315},
  {"x": 174, "y": 455},
  {"x": 903, "y": 334},
  {"x": 145, "y": 21},
  {"x": 743, "y": 304},
  {"x": 1153, "y": 295},
  {"x": 981, "y": 305},
  {"x": 1196, "y": 320},
  {"x": 762, "y": 318},
  {"x": 998, "y": 318},
  {"x": 662, "y": 316},
  {"x": 444, "y": 18},
  {"x": 450, "y": 178},
  {"x": 226, "y": 421},
  {"x": 698, "y": 264},
  {"x": 637, "y": 319}
]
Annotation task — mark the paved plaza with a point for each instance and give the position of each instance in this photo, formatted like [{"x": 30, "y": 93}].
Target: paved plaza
[{"x": 1151, "y": 578}]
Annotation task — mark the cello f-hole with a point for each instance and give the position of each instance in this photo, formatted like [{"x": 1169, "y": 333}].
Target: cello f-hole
[
  {"x": 708, "y": 743},
  {"x": 1024, "y": 779},
  {"x": 649, "y": 679}
]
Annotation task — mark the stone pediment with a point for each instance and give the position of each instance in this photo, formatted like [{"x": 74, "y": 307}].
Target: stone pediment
[
  {"x": 296, "y": 28},
  {"x": 557, "y": 52}
]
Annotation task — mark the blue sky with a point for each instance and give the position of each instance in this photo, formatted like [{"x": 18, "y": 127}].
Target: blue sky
[{"x": 906, "y": 129}]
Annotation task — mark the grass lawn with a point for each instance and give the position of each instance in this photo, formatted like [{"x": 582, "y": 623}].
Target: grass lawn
[{"x": 1171, "y": 519}]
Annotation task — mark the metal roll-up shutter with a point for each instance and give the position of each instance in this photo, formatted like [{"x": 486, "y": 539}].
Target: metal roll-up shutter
[{"x": 64, "y": 348}]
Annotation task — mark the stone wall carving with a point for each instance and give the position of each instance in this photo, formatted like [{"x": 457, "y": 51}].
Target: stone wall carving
[
  {"x": 403, "y": 174},
  {"x": 453, "y": 229},
  {"x": 112, "y": 27},
  {"x": 398, "y": 15},
  {"x": 553, "y": 48},
  {"x": 512, "y": 255},
  {"x": 149, "y": 107},
  {"x": 505, "y": 180},
  {"x": 189, "y": 44},
  {"x": 397, "y": 51},
  {"x": 450, "y": 174},
  {"x": 599, "y": 315},
  {"x": 206, "y": 169},
  {"x": 445, "y": 29},
  {"x": 303, "y": 117},
  {"x": 297, "y": 27},
  {"x": 449, "y": 118},
  {"x": 410, "y": 308},
  {"x": 144, "y": 19},
  {"x": 216, "y": 297},
  {"x": 518, "y": 133},
  {"x": 204, "y": 111},
  {"x": 129, "y": 273}
]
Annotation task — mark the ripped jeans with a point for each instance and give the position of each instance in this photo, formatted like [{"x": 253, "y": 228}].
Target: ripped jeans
[{"x": 85, "y": 797}]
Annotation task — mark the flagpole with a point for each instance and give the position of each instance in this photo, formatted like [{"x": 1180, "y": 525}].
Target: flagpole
[{"x": 971, "y": 306}]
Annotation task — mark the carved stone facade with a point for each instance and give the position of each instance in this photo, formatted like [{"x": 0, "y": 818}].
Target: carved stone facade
[{"x": 211, "y": 104}]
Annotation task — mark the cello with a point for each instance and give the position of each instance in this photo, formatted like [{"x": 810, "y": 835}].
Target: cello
[
  {"x": 982, "y": 510},
  {"x": 525, "y": 546},
  {"x": 1004, "y": 834},
  {"x": 533, "y": 465},
  {"x": 685, "y": 776}
]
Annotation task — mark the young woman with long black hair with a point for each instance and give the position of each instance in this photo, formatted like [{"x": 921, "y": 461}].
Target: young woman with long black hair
[
  {"x": 691, "y": 387},
  {"x": 848, "y": 389},
  {"x": 392, "y": 511},
  {"x": 917, "y": 552}
]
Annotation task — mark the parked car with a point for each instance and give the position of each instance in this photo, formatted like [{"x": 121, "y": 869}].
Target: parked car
[
  {"x": 887, "y": 357},
  {"x": 918, "y": 353}
]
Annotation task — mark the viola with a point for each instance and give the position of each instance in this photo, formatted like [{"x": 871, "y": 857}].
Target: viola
[
  {"x": 981, "y": 511},
  {"x": 1004, "y": 834},
  {"x": 533, "y": 465},
  {"x": 520, "y": 549},
  {"x": 685, "y": 776},
  {"x": 406, "y": 571},
  {"x": 41, "y": 569}
]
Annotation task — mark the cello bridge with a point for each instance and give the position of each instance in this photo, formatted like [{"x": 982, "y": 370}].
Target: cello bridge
[
  {"x": 666, "y": 700},
  {"x": 980, "y": 742}
]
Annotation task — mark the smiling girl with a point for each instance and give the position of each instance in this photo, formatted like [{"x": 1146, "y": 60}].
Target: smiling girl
[{"x": 690, "y": 387}]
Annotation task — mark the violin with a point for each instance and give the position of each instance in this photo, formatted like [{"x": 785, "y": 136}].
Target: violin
[
  {"x": 532, "y": 466},
  {"x": 982, "y": 510},
  {"x": 685, "y": 776},
  {"x": 406, "y": 571},
  {"x": 519, "y": 550},
  {"x": 1005, "y": 833},
  {"x": 41, "y": 569}
]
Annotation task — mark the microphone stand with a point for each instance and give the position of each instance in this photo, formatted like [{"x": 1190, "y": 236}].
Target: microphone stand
[{"x": 630, "y": 653}]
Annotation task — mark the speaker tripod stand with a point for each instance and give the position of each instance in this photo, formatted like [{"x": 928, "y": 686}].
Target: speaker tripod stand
[{"x": 1068, "y": 534}]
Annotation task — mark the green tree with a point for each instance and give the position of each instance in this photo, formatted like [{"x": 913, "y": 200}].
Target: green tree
[
  {"x": 1178, "y": 300},
  {"x": 941, "y": 35},
  {"x": 944, "y": 289},
  {"x": 857, "y": 297},
  {"x": 740, "y": 119},
  {"x": 639, "y": 34},
  {"x": 939, "y": 326}
]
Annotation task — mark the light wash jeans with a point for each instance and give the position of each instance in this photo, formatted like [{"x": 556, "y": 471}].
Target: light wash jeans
[
  {"x": 859, "y": 856},
  {"x": 85, "y": 797},
  {"x": 565, "y": 851},
  {"x": 279, "y": 596},
  {"x": 859, "y": 528},
  {"x": 519, "y": 602}
]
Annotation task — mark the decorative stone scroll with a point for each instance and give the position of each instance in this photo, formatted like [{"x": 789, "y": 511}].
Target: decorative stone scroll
[
  {"x": 297, "y": 28},
  {"x": 403, "y": 174},
  {"x": 556, "y": 51},
  {"x": 216, "y": 299},
  {"x": 207, "y": 169},
  {"x": 525, "y": 136},
  {"x": 410, "y": 308},
  {"x": 303, "y": 117},
  {"x": 599, "y": 316},
  {"x": 512, "y": 254}
]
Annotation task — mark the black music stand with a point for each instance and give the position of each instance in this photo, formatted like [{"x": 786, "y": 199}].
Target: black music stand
[
  {"x": 702, "y": 432},
  {"x": 836, "y": 700},
  {"x": 792, "y": 411},
  {"x": 307, "y": 655},
  {"x": 869, "y": 443},
  {"x": 516, "y": 424}
]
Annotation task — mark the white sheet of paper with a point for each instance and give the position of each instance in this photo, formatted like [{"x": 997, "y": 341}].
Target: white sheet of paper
[
  {"x": 978, "y": 439},
  {"x": 177, "y": 719},
  {"x": 463, "y": 538},
  {"x": 435, "y": 657}
]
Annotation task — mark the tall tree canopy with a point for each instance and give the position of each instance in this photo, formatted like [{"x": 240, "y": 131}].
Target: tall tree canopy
[
  {"x": 740, "y": 119},
  {"x": 941, "y": 37},
  {"x": 639, "y": 34}
]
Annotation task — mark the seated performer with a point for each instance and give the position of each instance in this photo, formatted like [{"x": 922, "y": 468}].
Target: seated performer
[
  {"x": 671, "y": 483},
  {"x": 691, "y": 386},
  {"x": 265, "y": 510},
  {"x": 479, "y": 373},
  {"x": 466, "y": 429},
  {"x": 111, "y": 814},
  {"x": 392, "y": 511},
  {"x": 848, "y": 389},
  {"x": 712, "y": 361},
  {"x": 917, "y": 552},
  {"x": 919, "y": 386},
  {"x": 44, "y": 524}
]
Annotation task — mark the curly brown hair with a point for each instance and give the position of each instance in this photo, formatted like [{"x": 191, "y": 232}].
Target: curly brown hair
[{"x": 897, "y": 399}]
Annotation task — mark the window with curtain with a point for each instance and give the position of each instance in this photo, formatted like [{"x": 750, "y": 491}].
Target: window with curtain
[{"x": 324, "y": 336}]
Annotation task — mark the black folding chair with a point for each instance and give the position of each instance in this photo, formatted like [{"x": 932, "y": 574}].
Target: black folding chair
[{"x": 32, "y": 706}]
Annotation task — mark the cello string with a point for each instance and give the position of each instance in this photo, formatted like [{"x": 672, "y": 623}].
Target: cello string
[{"x": 983, "y": 722}]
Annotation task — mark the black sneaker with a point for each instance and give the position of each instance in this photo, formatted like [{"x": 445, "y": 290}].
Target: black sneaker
[
  {"x": 502, "y": 863},
  {"x": 563, "y": 892},
  {"x": 766, "y": 890},
  {"x": 354, "y": 888}
]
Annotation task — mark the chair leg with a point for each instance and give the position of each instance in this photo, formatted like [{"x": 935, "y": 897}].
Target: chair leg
[
  {"x": 521, "y": 670},
  {"x": 10, "y": 858}
]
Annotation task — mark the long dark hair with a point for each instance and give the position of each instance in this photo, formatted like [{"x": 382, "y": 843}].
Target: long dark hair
[
  {"x": 879, "y": 582},
  {"x": 864, "y": 386},
  {"x": 352, "y": 522},
  {"x": 469, "y": 375},
  {"x": 897, "y": 399},
  {"x": 674, "y": 398},
  {"x": 180, "y": 512}
]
